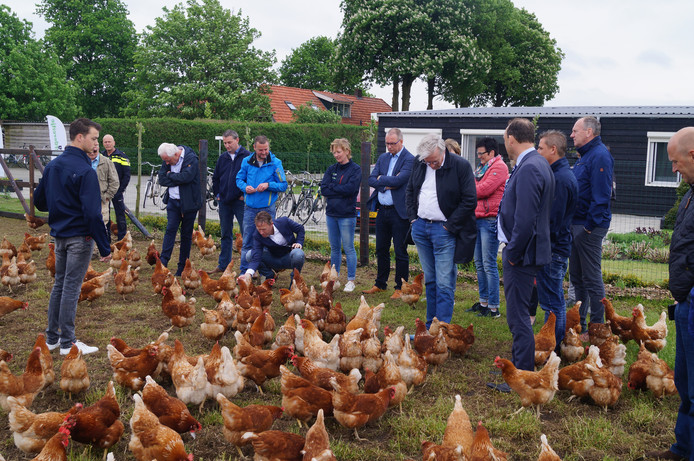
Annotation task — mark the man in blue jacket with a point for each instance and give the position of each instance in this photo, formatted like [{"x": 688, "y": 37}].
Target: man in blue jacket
[
  {"x": 181, "y": 174},
  {"x": 261, "y": 178},
  {"x": 229, "y": 196},
  {"x": 276, "y": 245},
  {"x": 591, "y": 220},
  {"x": 69, "y": 191},
  {"x": 550, "y": 279},
  {"x": 389, "y": 179}
]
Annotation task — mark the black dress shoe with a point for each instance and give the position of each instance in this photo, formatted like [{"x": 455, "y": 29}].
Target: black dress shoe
[
  {"x": 503, "y": 387},
  {"x": 475, "y": 308},
  {"x": 667, "y": 454}
]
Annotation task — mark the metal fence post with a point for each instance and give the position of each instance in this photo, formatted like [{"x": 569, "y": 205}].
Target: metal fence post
[{"x": 363, "y": 209}]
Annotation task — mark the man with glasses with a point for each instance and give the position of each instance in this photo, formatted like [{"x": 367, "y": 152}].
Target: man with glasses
[
  {"x": 389, "y": 179},
  {"x": 591, "y": 219},
  {"x": 440, "y": 206}
]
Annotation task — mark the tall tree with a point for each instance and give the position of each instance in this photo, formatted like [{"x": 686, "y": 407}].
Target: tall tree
[
  {"x": 197, "y": 61},
  {"x": 96, "y": 41},
  {"x": 32, "y": 82}
]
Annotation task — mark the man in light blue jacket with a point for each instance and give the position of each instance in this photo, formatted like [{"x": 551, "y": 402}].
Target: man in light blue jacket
[{"x": 261, "y": 179}]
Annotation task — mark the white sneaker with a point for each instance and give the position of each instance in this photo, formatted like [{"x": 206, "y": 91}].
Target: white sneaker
[
  {"x": 52, "y": 347},
  {"x": 82, "y": 347},
  {"x": 349, "y": 286}
]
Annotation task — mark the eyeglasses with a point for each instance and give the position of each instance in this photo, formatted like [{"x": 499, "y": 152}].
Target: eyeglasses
[
  {"x": 479, "y": 154},
  {"x": 433, "y": 164},
  {"x": 392, "y": 143}
]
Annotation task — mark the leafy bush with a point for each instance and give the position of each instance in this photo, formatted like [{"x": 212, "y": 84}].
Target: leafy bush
[{"x": 671, "y": 215}]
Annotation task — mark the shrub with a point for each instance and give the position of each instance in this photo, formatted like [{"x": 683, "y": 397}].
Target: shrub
[{"x": 669, "y": 218}]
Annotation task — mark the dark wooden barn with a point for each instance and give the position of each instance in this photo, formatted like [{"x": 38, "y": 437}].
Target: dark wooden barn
[{"x": 637, "y": 137}]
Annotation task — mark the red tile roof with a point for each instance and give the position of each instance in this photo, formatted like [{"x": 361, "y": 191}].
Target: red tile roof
[{"x": 361, "y": 109}]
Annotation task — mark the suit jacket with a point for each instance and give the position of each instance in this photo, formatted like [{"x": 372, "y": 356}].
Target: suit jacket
[
  {"x": 293, "y": 232},
  {"x": 397, "y": 181},
  {"x": 525, "y": 212}
]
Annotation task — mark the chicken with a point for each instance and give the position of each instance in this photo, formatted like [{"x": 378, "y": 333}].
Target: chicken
[
  {"x": 24, "y": 251},
  {"x": 56, "y": 447},
  {"x": 35, "y": 243},
  {"x": 96, "y": 287},
  {"x": 228, "y": 309},
  {"x": 389, "y": 376},
  {"x": 355, "y": 410},
  {"x": 215, "y": 325},
  {"x": 31, "y": 431},
  {"x": 128, "y": 351},
  {"x": 546, "y": 452},
  {"x": 263, "y": 292},
  {"x": 126, "y": 243},
  {"x": 321, "y": 353},
  {"x": 577, "y": 378},
  {"x": 286, "y": 335},
  {"x": 606, "y": 387},
  {"x": 482, "y": 448},
  {"x": 223, "y": 377},
  {"x": 26, "y": 271},
  {"x": 325, "y": 298},
  {"x": 241, "y": 420},
  {"x": 181, "y": 314},
  {"x": 275, "y": 445},
  {"x": 5, "y": 355},
  {"x": 293, "y": 299},
  {"x": 246, "y": 316},
  {"x": 259, "y": 365},
  {"x": 371, "y": 350},
  {"x": 317, "y": 444},
  {"x": 98, "y": 424},
  {"x": 151, "y": 440},
  {"x": 393, "y": 340},
  {"x": 261, "y": 330},
  {"x": 573, "y": 318},
  {"x": 73, "y": 372},
  {"x": 300, "y": 283},
  {"x": 34, "y": 222},
  {"x": 458, "y": 339},
  {"x": 130, "y": 372},
  {"x": 654, "y": 337},
  {"x": 433, "y": 349},
  {"x": 190, "y": 381},
  {"x": 433, "y": 452},
  {"x": 367, "y": 317},
  {"x": 117, "y": 256},
  {"x": 571, "y": 346},
  {"x": 598, "y": 333},
  {"x": 211, "y": 286},
  {"x": 134, "y": 258},
  {"x": 329, "y": 274},
  {"x": 9, "y": 275},
  {"x": 613, "y": 355},
  {"x": 320, "y": 376},
  {"x": 336, "y": 320},
  {"x": 91, "y": 273},
  {"x": 545, "y": 340},
  {"x": 458, "y": 428},
  {"x": 244, "y": 299},
  {"x": 639, "y": 370},
  {"x": 621, "y": 326},
  {"x": 24, "y": 387},
  {"x": 6, "y": 248},
  {"x": 205, "y": 245},
  {"x": 316, "y": 314},
  {"x": 651, "y": 372},
  {"x": 170, "y": 411},
  {"x": 161, "y": 277},
  {"x": 413, "y": 367},
  {"x": 238, "y": 242},
  {"x": 190, "y": 277},
  {"x": 534, "y": 388},
  {"x": 124, "y": 279},
  {"x": 350, "y": 350},
  {"x": 45, "y": 359},
  {"x": 8, "y": 305},
  {"x": 411, "y": 292},
  {"x": 50, "y": 259},
  {"x": 301, "y": 399},
  {"x": 152, "y": 254}
]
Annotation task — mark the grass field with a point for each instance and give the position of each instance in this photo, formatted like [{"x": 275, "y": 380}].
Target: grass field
[{"x": 576, "y": 429}]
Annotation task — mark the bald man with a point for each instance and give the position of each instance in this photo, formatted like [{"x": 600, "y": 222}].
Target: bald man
[
  {"x": 680, "y": 151},
  {"x": 122, "y": 164}
]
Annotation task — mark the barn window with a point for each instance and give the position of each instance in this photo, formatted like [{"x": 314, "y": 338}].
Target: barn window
[{"x": 658, "y": 166}]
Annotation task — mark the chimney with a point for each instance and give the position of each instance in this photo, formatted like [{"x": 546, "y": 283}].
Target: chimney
[{"x": 358, "y": 93}]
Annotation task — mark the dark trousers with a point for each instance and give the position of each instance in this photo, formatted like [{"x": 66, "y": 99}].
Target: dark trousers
[
  {"x": 518, "y": 288},
  {"x": 176, "y": 218},
  {"x": 585, "y": 272},
  {"x": 684, "y": 381},
  {"x": 390, "y": 226},
  {"x": 227, "y": 211},
  {"x": 119, "y": 208}
]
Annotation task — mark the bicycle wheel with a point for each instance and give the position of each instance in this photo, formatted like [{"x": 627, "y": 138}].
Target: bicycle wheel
[
  {"x": 160, "y": 199},
  {"x": 212, "y": 201},
  {"x": 283, "y": 206},
  {"x": 148, "y": 190},
  {"x": 304, "y": 209},
  {"x": 318, "y": 210}
]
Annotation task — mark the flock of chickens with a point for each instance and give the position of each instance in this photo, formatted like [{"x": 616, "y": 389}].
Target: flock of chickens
[{"x": 329, "y": 373}]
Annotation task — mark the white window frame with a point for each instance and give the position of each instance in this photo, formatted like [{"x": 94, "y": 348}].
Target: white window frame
[
  {"x": 649, "y": 180},
  {"x": 471, "y": 154},
  {"x": 411, "y": 137}
]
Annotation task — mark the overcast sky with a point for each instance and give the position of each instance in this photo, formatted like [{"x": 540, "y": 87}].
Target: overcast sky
[{"x": 617, "y": 53}]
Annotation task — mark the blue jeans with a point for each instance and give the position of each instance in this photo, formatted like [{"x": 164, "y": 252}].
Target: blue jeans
[
  {"x": 585, "y": 272},
  {"x": 227, "y": 211},
  {"x": 436, "y": 249},
  {"x": 684, "y": 381},
  {"x": 341, "y": 234},
  {"x": 292, "y": 260},
  {"x": 486, "y": 250},
  {"x": 175, "y": 218},
  {"x": 72, "y": 256},
  {"x": 249, "y": 228},
  {"x": 550, "y": 292}
]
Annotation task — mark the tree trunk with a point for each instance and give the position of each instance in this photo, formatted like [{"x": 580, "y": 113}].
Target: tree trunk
[
  {"x": 430, "y": 93},
  {"x": 396, "y": 93},
  {"x": 407, "y": 81}
]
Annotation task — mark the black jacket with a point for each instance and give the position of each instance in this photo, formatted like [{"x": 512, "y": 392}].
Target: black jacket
[
  {"x": 455, "y": 189},
  {"x": 188, "y": 181},
  {"x": 340, "y": 187},
  {"x": 224, "y": 177},
  {"x": 122, "y": 164},
  {"x": 682, "y": 251}
]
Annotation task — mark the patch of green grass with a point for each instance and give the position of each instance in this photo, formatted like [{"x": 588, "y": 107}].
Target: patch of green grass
[{"x": 647, "y": 272}]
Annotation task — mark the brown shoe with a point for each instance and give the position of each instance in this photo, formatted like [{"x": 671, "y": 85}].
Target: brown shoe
[
  {"x": 667, "y": 454},
  {"x": 396, "y": 294},
  {"x": 217, "y": 270},
  {"x": 372, "y": 290}
]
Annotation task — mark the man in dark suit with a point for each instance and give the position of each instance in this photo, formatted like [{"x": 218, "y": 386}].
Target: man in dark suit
[
  {"x": 276, "y": 245},
  {"x": 389, "y": 179},
  {"x": 523, "y": 225}
]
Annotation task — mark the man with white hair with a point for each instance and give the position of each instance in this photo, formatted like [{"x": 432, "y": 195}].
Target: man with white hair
[
  {"x": 441, "y": 201},
  {"x": 181, "y": 174}
]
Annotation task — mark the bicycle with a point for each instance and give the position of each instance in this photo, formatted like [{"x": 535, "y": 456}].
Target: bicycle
[
  {"x": 209, "y": 197},
  {"x": 153, "y": 189},
  {"x": 289, "y": 204},
  {"x": 311, "y": 206}
]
